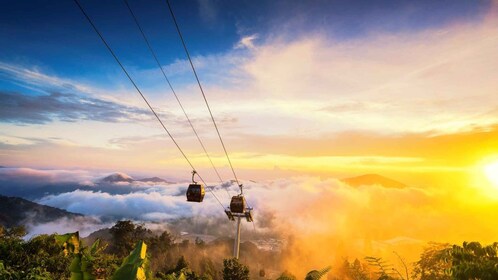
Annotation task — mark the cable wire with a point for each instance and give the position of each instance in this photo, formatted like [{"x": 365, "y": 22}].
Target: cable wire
[
  {"x": 205, "y": 100},
  {"x": 202, "y": 91},
  {"x": 153, "y": 53},
  {"x": 141, "y": 94},
  {"x": 204, "y": 96}
]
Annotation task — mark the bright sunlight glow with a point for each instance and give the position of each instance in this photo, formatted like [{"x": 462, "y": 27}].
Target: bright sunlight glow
[{"x": 491, "y": 171}]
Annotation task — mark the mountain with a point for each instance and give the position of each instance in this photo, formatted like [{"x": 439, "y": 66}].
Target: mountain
[
  {"x": 117, "y": 178},
  {"x": 373, "y": 179},
  {"x": 103, "y": 234},
  {"x": 154, "y": 180},
  {"x": 15, "y": 211}
]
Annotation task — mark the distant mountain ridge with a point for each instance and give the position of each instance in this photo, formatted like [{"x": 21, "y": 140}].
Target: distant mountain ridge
[
  {"x": 154, "y": 180},
  {"x": 373, "y": 179},
  {"x": 116, "y": 178},
  {"x": 120, "y": 177},
  {"x": 15, "y": 211}
]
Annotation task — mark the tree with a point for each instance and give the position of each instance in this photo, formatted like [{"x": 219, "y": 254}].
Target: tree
[
  {"x": 317, "y": 274},
  {"x": 181, "y": 264},
  {"x": 353, "y": 271},
  {"x": 433, "y": 264},
  {"x": 125, "y": 235},
  {"x": 473, "y": 261},
  {"x": 286, "y": 275},
  {"x": 37, "y": 258},
  {"x": 234, "y": 270},
  {"x": 208, "y": 269}
]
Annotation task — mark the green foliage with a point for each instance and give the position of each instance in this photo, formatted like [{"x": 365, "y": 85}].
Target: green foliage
[
  {"x": 317, "y": 274},
  {"x": 385, "y": 270},
  {"x": 208, "y": 269},
  {"x": 184, "y": 274},
  {"x": 125, "y": 235},
  {"x": 160, "y": 244},
  {"x": 37, "y": 258},
  {"x": 45, "y": 257},
  {"x": 135, "y": 266},
  {"x": 6, "y": 272},
  {"x": 181, "y": 264},
  {"x": 433, "y": 263},
  {"x": 474, "y": 261},
  {"x": 234, "y": 270},
  {"x": 355, "y": 270},
  {"x": 82, "y": 264},
  {"x": 70, "y": 242},
  {"x": 286, "y": 276},
  {"x": 13, "y": 232}
]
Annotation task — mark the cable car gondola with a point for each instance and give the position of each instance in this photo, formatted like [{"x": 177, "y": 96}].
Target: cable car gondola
[
  {"x": 195, "y": 191},
  {"x": 238, "y": 204}
]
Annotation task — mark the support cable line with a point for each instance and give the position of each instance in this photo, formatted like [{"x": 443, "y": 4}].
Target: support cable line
[
  {"x": 207, "y": 103},
  {"x": 212, "y": 118},
  {"x": 202, "y": 91},
  {"x": 141, "y": 94},
  {"x": 153, "y": 53}
]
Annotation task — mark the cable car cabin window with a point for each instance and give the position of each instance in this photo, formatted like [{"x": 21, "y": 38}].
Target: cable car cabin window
[
  {"x": 195, "y": 193},
  {"x": 237, "y": 204}
]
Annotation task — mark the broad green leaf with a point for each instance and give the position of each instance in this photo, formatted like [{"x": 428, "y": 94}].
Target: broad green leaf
[
  {"x": 181, "y": 276},
  {"x": 133, "y": 266},
  {"x": 88, "y": 276},
  {"x": 95, "y": 247},
  {"x": 75, "y": 268}
]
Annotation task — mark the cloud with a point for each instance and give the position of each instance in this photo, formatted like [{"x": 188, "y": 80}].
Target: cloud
[
  {"x": 320, "y": 220},
  {"x": 36, "y": 78},
  {"x": 329, "y": 84},
  {"x": 313, "y": 90},
  {"x": 218, "y": 68},
  {"x": 85, "y": 225},
  {"x": 247, "y": 42},
  {"x": 137, "y": 206},
  {"x": 67, "y": 107},
  {"x": 35, "y": 183},
  {"x": 324, "y": 220},
  {"x": 39, "y": 177}
]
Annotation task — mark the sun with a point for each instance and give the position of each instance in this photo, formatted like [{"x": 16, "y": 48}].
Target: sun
[{"x": 491, "y": 171}]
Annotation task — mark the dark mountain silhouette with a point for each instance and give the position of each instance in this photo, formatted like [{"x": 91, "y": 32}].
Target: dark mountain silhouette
[
  {"x": 154, "y": 180},
  {"x": 120, "y": 177},
  {"x": 103, "y": 234},
  {"x": 373, "y": 179},
  {"x": 15, "y": 211}
]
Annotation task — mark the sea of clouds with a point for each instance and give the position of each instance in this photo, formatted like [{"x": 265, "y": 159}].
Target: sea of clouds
[{"x": 321, "y": 219}]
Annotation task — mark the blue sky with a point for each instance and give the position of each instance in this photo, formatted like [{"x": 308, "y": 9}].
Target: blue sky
[
  {"x": 293, "y": 72},
  {"x": 55, "y": 36}
]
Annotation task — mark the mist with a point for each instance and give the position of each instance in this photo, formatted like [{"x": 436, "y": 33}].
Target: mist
[{"x": 317, "y": 221}]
